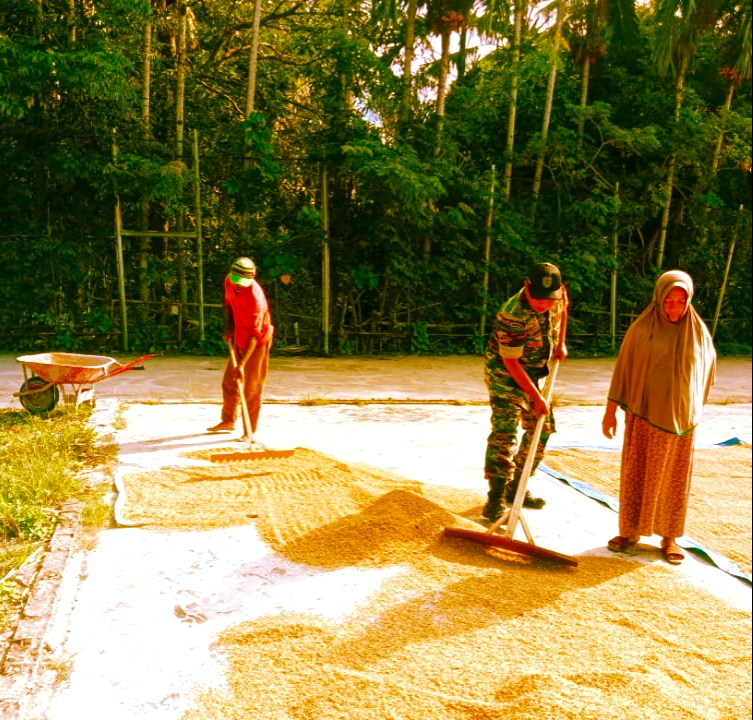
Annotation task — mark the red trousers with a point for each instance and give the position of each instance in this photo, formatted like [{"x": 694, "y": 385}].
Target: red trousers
[{"x": 255, "y": 377}]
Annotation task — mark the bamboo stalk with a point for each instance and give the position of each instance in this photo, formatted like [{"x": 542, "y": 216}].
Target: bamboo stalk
[
  {"x": 119, "y": 256},
  {"x": 199, "y": 248},
  {"x": 679, "y": 94},
  {"x": 726, "y": 271},
  {"x": 253, "y": 60},
  {"x": 410, "y": 39},
  {"x": 613, "y": 280},
  {"x": 720, "y": 139},
  {"x": 180, "y": 95},
  {"x": 325, "y": 263},
  {"x": 513, "y": 106},
  {"x": 584, "y": 79},
  {"x": 487, "y": 253},
  {"x": 547, "y": 112},
  {"x": 180, "y": 103}
]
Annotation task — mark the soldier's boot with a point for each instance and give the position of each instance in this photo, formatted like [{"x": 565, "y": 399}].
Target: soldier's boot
[
  {"x": 494, "y": 508},
  {"x": 529, "y": 501}
]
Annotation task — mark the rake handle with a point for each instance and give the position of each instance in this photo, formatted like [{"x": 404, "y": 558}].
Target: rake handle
[
  {"x": 512, "y": 521},
  {"x": 513, "y": 517},
  {"x": 242, "y": 392}
]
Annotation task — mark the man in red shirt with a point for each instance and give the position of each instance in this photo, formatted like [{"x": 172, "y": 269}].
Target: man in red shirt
[{"x": 248, "y": 326}]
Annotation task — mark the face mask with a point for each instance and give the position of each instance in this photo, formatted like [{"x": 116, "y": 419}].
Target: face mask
[{"x": 238, "y": 280}]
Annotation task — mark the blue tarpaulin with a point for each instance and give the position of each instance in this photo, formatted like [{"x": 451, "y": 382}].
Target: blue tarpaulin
[{"x": 689, "y": 544}]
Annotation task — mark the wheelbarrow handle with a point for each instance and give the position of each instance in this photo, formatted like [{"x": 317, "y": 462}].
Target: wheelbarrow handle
[{"x": 129, "y": 366}]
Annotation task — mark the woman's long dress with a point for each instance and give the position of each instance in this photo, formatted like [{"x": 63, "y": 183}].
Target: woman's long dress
[{"x": 654, "y": 480}]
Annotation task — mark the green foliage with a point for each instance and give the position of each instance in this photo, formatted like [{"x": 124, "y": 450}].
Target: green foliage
[
  {"x": 40, "y": 462},
  {"x": 409, "y": 195}
]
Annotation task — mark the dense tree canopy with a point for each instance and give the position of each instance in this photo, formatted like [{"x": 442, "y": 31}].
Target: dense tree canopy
[{"x": 611, "y": 138}]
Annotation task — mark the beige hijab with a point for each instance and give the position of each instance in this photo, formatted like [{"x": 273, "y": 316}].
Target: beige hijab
[{"x": 665, "y": 370}]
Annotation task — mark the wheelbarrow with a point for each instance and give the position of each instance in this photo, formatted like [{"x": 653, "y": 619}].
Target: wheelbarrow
[{"x": 76, "y": 374}]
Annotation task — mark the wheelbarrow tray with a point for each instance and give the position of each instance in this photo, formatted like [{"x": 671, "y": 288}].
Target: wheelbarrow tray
[
  {"x": 69, "y": 368},
  {"x": 45, "y": 372}
]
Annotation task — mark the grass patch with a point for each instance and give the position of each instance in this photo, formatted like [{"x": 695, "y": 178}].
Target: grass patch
[
  {"x": 119, "y": 423},
  {"x": 41, "y": 464}
]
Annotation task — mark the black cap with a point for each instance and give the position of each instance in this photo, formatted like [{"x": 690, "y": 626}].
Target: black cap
[{"x": 544, "y": 282}]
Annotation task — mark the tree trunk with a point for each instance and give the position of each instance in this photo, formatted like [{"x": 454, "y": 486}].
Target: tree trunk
[
  {"x": 584, "y": 78},
  {"x": 727, "y": 267},
  {"x": 346, "y": 98},
  {"x": 487, "y": 255},
  {"x": 513, "y": 106},
  {"x": 253, "y": 60},
  {"x": 253, "y": 66},
  {"x": 179, "y": 127},
  {"x": 146, "y": 78},
  {"x": 71, "y": 21},
  {"x": 444, "y": 70},
  {"x": 325, "y": 264},
  {"x": 410, "y": 39},
  {"x": 720, "y": 139},
  {"x": 679, "y": 92},
  {"x": 180, "y": 93},
  {"x": 463, "y": 49},
  {"x": 704, "y": 231},
  {"x": 144, "y": 242},
  {"x": 547, "y": 113}
]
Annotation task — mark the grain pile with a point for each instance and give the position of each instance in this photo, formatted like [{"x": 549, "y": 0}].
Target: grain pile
[
  {"x": 464, "y": 632},
  {"x": 313, "y": 508},
  {"x": 468, "y": 637},
  {"x": 719, "y": 514}
]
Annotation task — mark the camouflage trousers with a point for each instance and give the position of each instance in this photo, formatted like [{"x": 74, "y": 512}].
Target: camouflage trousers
[{"x": 504, "y": 461}]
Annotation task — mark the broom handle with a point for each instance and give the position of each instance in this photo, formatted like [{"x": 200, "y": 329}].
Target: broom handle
[{"x": 241, "y": 391}]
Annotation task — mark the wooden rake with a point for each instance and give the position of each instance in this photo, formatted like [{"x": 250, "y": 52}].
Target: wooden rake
[
  {"x": 514, "y": 515},
  {"x": 249, "y": 453}
]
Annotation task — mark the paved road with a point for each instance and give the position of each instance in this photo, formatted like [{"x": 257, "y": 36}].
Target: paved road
[{"x": 197, "y": 379}]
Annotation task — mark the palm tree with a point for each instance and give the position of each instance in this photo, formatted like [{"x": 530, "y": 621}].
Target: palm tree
[
  {"x": 736, "y": 58},
  {"x": 446, "y": 17},
  {"x": 591, "y": 27},
  {"x": 512, "y": 109},
  {"x": 680, "y": 26},
  {"x": 388, "y": 14},
  {"x": 556, "y": 40},
  {"x": 410, "y": 39}
]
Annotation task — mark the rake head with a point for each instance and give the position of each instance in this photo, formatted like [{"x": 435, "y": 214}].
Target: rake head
[{"x": 249, "y": 455}]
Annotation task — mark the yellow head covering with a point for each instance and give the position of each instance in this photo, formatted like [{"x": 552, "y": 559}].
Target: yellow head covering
[{"x": 665, "y": 370}]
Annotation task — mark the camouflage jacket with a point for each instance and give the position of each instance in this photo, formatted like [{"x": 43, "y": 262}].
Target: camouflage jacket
[{"x": 521, "y": 333}]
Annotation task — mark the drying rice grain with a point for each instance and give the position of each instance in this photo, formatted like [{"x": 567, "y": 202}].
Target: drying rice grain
[
  {"x": 463, "y": 632},
  {"x": 719, "y": 514},
  {"x": 455, "y": 641}
]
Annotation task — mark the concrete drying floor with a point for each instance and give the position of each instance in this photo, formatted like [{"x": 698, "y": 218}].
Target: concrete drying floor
[{"x": 136, "y": 616}]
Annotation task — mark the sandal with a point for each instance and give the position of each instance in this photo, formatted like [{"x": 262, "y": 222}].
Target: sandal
[
  {"x": 620, "y": 543},
  {"x": 672, "y": 553}
]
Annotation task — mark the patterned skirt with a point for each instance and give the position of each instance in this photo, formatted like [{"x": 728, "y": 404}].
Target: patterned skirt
[{"x": 654, "y": 480}]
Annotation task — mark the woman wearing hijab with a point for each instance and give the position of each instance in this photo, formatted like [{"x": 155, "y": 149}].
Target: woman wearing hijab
[{"x": 662, "y": 378}]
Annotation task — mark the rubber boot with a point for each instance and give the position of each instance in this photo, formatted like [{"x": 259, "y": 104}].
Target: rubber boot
[
  {"x": 529, "y": 501},
  {"x": 494, "y": 508}
]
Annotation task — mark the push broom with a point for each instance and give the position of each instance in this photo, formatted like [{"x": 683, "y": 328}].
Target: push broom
[
  {"x": 248, "y": 454},
  {"x": 514, "y": 515}
]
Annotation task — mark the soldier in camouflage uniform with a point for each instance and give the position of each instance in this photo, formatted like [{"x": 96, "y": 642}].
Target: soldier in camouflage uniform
[{"x": 525, "y": 338}]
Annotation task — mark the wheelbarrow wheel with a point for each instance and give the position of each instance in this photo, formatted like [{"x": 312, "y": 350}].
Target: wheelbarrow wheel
[{"x": 41, "y": 401}]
